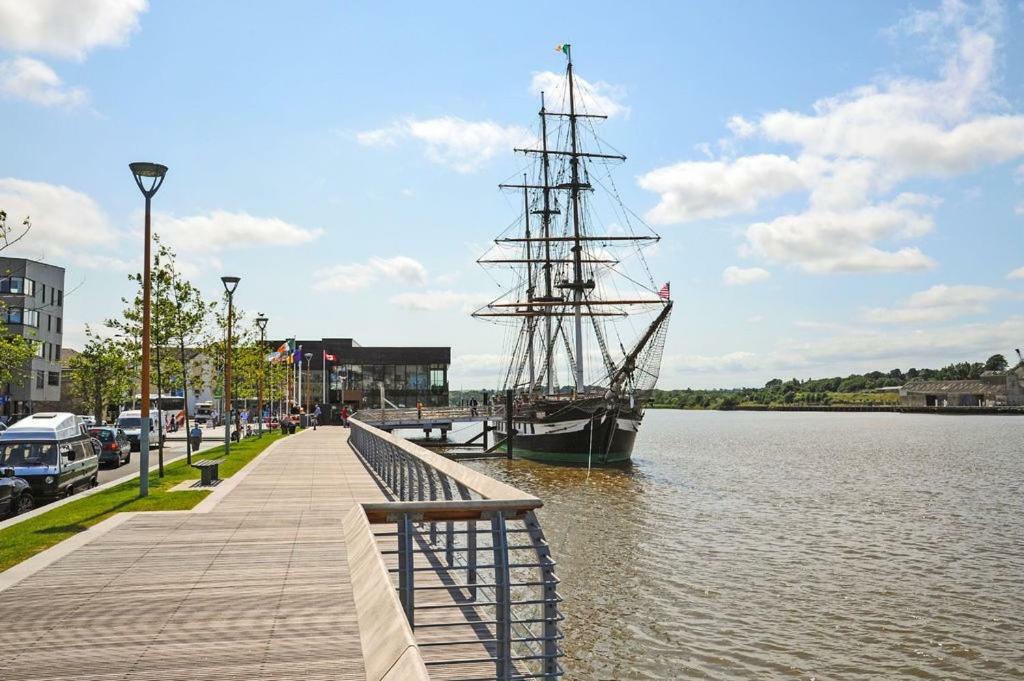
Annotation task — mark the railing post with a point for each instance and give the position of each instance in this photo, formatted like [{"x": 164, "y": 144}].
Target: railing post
[
  {"x": 449, "y": 531},
  {"x": 471, "y": 576},
  {"x": 406, "y": 562},
  {"x": 502, "y": 599},
  {"x": 547, "y": 573}
]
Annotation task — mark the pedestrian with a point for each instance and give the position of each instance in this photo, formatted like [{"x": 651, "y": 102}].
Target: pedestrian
[
  {"x": 344, "y": 416},
  {"x": 196, "y": 435},
  {"x": 473, "y": 410},
  {"x": 419, "y": 411},
  {"x": 316, "y": 415}
]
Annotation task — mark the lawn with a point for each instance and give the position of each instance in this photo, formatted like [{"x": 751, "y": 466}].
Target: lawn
[{"x": 28, "y": 538}]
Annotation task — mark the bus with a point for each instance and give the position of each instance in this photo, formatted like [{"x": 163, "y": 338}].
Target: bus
[{"x": 170, "y": 407}]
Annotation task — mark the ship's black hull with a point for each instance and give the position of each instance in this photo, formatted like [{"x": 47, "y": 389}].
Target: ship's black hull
[{"x": 582, "y": 436}]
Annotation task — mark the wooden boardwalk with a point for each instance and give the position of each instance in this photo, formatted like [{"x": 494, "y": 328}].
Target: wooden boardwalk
[{"x": 253, "y": 584}]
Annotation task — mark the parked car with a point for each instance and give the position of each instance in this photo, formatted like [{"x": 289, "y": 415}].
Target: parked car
[
  {"x": 51, "y": 453},
  {"x": 88, "y": 419},
  {"x": 15, "y": 495},
  {"x": 115, "y": 448}
]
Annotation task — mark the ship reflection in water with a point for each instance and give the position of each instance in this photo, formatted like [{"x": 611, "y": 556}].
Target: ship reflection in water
[{"x": 795, "y": 545}]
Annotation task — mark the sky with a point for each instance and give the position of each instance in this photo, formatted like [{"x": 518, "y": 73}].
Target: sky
[{"x": 839, "y": 187}]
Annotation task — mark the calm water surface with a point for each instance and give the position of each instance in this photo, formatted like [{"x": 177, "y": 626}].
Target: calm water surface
[{"x": 793, "y": 545}]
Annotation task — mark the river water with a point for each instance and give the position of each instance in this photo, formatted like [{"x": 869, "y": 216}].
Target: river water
[{"x": 744, "y": 545}]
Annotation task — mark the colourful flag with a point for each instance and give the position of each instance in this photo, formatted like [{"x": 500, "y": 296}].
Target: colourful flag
[
  {"x": 297, "y": 355},
  {"x": 329, "y": 357},
  {"x": 664, "y": 292},
  {"x": 563, "y": 48}
]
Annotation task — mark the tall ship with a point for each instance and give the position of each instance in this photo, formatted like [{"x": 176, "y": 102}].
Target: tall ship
[{"x": 585, "y": 321}]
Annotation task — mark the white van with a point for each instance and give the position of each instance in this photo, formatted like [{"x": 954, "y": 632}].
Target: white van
[
  {"x": 52, "y": 453},
  {"x": 131, "y": 423}
]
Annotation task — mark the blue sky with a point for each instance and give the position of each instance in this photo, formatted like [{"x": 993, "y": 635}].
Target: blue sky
[{"x": 839, "y": 187}]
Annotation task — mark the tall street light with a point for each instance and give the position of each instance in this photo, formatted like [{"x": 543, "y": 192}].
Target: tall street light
[
  {"x": 148, "y": 177},
  {"x": 261, "y": 322},
  {"x": 309, "y": 377},
  {"x": 230, "y": 284}
]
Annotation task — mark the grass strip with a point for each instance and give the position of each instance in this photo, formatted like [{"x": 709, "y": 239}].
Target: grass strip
[{"x": 26, "y": 539}]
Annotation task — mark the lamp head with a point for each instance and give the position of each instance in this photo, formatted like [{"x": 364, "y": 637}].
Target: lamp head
[
  {"x": 261, "y": 322},
  {"x": 309, "y": 356},
  {"x": 230, "y": 284},
  {"x": 148, "y": 176}
]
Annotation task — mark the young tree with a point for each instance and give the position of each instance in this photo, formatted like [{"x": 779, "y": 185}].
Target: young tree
[
  {"x": 188, "y": 315},
  {"x": 101, "y": 375}
]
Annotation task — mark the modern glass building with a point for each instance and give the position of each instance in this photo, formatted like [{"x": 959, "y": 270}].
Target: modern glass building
[{"x": 409, "y": 375}]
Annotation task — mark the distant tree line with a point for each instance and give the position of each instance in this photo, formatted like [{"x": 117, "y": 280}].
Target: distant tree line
[{"x": 852, "y": 389}]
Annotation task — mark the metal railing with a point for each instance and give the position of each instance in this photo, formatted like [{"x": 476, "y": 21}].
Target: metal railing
[{"x": 475, "y": 575}]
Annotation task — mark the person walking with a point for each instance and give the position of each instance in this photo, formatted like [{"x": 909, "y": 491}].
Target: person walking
[
  {"x": 344, "y": 415},
  {"x": 316, "y": 415},
  {"x": 473, "y": 407},
  {"x": 196, "y": 435}
]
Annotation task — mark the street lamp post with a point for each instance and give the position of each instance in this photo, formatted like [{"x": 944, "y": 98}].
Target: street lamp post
[
  {"x": 261, "y": 322},
  {"x": 309, "y": 377},
  {"x": 230, "y": 284},
  {"x": 148, "y": 177}
]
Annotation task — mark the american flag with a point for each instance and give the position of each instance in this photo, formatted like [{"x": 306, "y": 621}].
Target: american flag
[{"x": 664, "y": 292}]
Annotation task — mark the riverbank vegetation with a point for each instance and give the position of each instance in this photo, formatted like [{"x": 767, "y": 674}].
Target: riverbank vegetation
[{"x": 876, "y": 388}]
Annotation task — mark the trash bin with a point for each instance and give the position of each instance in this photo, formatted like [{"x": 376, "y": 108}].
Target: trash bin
[{"x": 304, "y": 420}]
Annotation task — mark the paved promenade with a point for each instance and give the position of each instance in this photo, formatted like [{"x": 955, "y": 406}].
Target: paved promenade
[{"x": 252, "y": 584}]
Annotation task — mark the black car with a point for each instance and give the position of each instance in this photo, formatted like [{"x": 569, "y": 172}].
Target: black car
[
  {"x": 15, "y": 495},
  {"x": 115, "y": 448}
]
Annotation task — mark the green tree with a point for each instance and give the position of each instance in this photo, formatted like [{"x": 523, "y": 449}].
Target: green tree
[
  {"x": 101, "y": 375},
  {"x": 996, "y": 363}
]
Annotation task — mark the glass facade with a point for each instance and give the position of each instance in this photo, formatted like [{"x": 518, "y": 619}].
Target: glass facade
[{"x": 404, "y": 384}]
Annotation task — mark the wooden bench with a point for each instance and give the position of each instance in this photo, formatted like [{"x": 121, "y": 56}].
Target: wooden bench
[{"x": 209, "y": 470}]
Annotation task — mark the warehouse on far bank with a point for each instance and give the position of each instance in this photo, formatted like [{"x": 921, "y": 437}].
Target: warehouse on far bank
[{"x": 992, "y": 389}]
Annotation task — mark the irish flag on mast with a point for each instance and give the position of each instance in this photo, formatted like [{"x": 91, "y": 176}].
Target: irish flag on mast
[{"x": 563, "y": 48}]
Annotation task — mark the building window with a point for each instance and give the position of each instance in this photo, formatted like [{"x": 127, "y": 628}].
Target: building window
[
  {"x": 60, "y": 326},
  {"x": 60, "y": 298},
  {"x": 53, "y": 378},
  {"x": 49, "y": 322},
  {"x": 39, "y": 349},
  {"x": 42, "y": 291},
  {"x": 18, "y": 286},
  {"x": 39, "y": 378},
  {"x": 57, "y": 351},
  {"x": 53, "y": 296},
  {"x": 19, "y": 315}
]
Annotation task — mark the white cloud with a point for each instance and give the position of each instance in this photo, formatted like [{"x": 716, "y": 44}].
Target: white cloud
[
  {"x": 831, "y": 241},
  {"x": 219, "y": 230},
  {"x": 1019, "y": 209},
  {"x": 438, "y": 300},
  {"x": 1016, "y": 274},
  {"x": 695, "y": 190},
  {"x": 853, "y": 150},
  {"x": 730, "y": 361},
  {"x": 360, "y": 275},
  {"x": 738, "y": 276},
  {"x": 597, "y": 98},
  {"x": 67, "y": 29},
  {"x": 33, "y": 81},
  {"x": 66, "y": 224},
  {"x": 939, "y": 303},
  {"x": 462, "y": 145}
]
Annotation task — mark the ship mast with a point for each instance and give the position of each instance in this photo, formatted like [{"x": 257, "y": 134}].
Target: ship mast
[
  {"x": 531, "y": 322},
  {"x": 546, "y": 225},
  {"x": 577, "y": 283}
]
